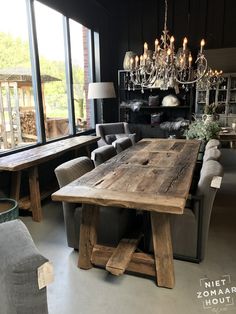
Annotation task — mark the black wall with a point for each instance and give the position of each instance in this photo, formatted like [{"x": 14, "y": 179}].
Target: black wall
[{"x": 140, "y": 21}]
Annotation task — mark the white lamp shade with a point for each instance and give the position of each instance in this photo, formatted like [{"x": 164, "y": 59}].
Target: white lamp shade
[{"x": 101, "y": 90}]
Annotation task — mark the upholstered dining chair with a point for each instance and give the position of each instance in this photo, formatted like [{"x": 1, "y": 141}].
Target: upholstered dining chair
[
  {"x": 211, "y": 154},
  {"x": 102, "y": 154},
  {"x": 109, "y": 132},
  {"x": 20, "y": 261},
  {"x": 122, "y": 144},
  {"x": 212, "y": 143},
  {"x": 190, "y": 230},
  {"x": 113, "y": 223}
]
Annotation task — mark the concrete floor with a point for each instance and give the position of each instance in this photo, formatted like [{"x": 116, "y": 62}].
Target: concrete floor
[{"x": 94, "y": 291}]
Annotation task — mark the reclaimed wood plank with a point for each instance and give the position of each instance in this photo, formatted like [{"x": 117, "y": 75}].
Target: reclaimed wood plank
[
  {"x": 122, "y": 255},
  {"x": 163, "y": 253},
  {"x": 15, "y": 185},
  {"x": 35, "y": 194},
  {"x": 141, "y": 263},
  {"x": 88, "y": 235},
  {"x": 40, "y": 154}
]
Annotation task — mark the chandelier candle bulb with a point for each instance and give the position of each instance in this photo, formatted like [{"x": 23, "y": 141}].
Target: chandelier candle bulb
[
  {"x": 145, "y": 47},
  {"x": 136, "y": 61},
  {"x": 202, "y": 45},
  {"x": 190, "y": 59},
  {"x": 172, "y": 39},
  {"x": 156, "y": 44},
  {"x": 185, "y": 43}
]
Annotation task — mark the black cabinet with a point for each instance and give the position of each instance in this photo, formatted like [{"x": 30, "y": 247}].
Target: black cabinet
[{"x": 145, "y": 106}]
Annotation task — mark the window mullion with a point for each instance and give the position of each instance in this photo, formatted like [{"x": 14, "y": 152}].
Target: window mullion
[
  {"x": 69, "y": 76},
  {"x": 36, "y": 78}
]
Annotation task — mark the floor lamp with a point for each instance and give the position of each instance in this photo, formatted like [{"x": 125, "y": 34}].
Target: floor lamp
[{"x": 101, "y": 91}]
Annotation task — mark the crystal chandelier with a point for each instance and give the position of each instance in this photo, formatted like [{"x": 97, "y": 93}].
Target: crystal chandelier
[
  {"x": 164, "y": 68},
  {"x": 211, "y": 79}
]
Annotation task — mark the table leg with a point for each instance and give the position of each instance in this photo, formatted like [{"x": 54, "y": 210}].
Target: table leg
[
  {"x": 35, "y": 198},
  {"x": 15, "y": 185},
  {"x": 163, "y": 254},
  {"x": 88, "y": 234}
]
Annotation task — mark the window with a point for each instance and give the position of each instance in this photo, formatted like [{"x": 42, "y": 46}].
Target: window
[
  {"x": 49, "y": 26},
  {"x": 17, "y": 108},
  {"x": 19, "y": 118},
  {"x": 80, "y": 38}
]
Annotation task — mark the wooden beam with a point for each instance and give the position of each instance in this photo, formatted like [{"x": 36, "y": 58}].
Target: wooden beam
[
  {"x": 140, "y": 263},
  {"x": 163, "y": 253},
  {"x": 88, "y": 234},
  {"x": 122, "y": 255},
  {"x": 15, "y": 185},
  {"x": 35, "y": 194}
]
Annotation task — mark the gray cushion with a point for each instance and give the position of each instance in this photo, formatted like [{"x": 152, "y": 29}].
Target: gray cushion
[
  {"x": 19, "y": 261},
  {"x": 122, "y": 144},
  {"x": 131, "y": 136},
  {"x": 102, "y": 154},
  {"x": 110, "y": 138}
]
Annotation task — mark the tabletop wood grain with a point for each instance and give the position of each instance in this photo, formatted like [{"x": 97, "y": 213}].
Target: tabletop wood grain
[{"x": 153, "y": 175}]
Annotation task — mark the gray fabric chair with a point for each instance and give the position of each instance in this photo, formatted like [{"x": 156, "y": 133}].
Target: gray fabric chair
[
  {"x": 190, "y": 230},
  {"x": 19, "y": 262},
  {"x": 102, "y": 154},
  {"x": 211, "y": 154},
  {"x": 122, "y": 144},
  {"x": 213, "y": 143},
  {"x": 109, "y": 132},
  {"x": 113, "y": 223}
]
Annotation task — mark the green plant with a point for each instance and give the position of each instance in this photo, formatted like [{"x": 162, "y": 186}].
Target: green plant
[
  {"x": 202, "y": 131},
  {"x": 214, "y": 108}
]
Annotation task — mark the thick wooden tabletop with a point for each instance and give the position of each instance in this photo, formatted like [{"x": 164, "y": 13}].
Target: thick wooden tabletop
[
  {"x": 153, "y": 175},
  {"x": 40, "y": 154}
]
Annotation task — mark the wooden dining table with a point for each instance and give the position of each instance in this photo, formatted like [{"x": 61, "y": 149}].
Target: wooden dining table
[{"x": 154, "y": 175}]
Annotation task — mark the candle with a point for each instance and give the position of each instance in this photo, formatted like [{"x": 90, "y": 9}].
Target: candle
[
  {"x": 185, "y": 43},
  {"x": 136, "y": 61},
  {"x": 190, "y": 59},
  {"x": 172, "y": 39},
  {"x": 202, "y": 45},
  {"x": 156, "y": 44},
  {"x": 145, "y": 47},
  {"x": 141, "y": 60},
  {"x": 168, "y": 54}
]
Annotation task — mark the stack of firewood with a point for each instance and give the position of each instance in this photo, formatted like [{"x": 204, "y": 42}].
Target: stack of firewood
[{"x": 28, "y": 125}]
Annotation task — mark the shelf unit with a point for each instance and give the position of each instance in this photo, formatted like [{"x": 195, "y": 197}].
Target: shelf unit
[
  {"x": 127, "y": 92},
  {"x": 224, "y": 94}
]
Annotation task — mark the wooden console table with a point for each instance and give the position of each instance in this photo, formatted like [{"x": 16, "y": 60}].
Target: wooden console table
[
  {"x": 31, "y": 158},
  {"x": 154, "y": 175},
  {"x": 229, "y": 136}
]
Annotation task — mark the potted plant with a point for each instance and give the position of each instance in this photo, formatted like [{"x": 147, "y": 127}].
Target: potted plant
[
  {"x": 211, "y": 112},
  {"x": 200, "y": 130}
]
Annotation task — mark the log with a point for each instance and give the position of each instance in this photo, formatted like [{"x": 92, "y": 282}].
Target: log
[
  {"x": 140, "y": 263},
  {"x": 122, "y": 255}
]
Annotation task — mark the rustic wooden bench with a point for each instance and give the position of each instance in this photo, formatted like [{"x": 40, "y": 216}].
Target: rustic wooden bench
[{"x": 30, "y": 159}]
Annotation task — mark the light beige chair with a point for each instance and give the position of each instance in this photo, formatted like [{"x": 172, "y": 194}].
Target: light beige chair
[
  {"x": 102, "y": 154},
  {"x": 113, "y": 223},
  {"x": 190, "y": 230},
  {"x": 211, "y": 154},
  {"x": 212, "y": 143}
]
